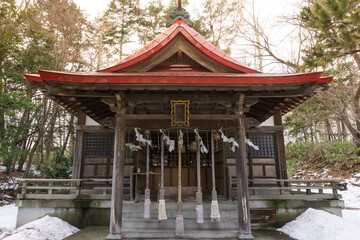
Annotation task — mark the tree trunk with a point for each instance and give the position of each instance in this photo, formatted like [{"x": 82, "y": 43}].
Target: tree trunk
[
  {"x": 343, "y": 116},
  {"x": 50, "y": 132},
  {"x": 31, "y": 155},
  {"x": 328, "y": 130}
]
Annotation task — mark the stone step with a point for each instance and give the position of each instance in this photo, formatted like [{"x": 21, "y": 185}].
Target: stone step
[
  {"x": 188, "y": 214},
  {"x": 224, "y": 206},
  {"x": 170, "y": 224},
  {"x": 170, "y": 234}
]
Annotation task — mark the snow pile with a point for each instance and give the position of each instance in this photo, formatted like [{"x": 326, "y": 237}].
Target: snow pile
[
  {"x": 351, "y": 196},
  {"x": 8, "y": 216},
  {"x": 352, "y": 216},
  {"x": 50, "y": 228},
  {"x": 317, "y": 225}
]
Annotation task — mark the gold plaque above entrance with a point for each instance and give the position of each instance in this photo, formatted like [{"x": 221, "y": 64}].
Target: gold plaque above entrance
[{"x": 180, "y": 112}]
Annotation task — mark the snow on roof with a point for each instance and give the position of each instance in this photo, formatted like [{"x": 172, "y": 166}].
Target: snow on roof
[{"x": 317, "y": 225}]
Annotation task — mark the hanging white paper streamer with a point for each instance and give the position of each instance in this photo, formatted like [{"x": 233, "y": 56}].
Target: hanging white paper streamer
[
  {"x": 140, "y": 138},
  {"x": 170, "y": 143},
  {"x": 251, "y": 144},
  {"x": 202, "y": 146},
  {"x": 181, "y": 142},
  {"x": 132, "y": 147},
  {"x": 229, "y": 140}
]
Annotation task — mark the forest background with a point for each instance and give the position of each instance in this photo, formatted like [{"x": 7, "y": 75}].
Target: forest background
[{"x": 319, "y": 35}]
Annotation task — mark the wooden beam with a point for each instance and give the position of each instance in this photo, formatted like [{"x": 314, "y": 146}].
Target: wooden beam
[
  {"x": 259, "y": 90},
  {"x": 192, "y": 117}
]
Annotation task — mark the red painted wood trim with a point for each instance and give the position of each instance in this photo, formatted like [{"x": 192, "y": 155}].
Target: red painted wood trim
[
  {"x": 179, "y": 68},
  {"x": 179, "y": 78},
  {"x": 33, "y": 78}
]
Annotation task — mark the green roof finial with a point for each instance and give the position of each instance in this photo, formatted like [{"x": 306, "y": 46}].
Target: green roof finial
[{"x": 179, "y": 13}]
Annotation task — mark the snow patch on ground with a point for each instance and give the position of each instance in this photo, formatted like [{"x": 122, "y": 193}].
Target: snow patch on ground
[
  {"x": 351, "y": 196},
  {"x": 317, "y": 225},
  {"x": 49, "y": 228},
  {"x": 352, "y": 215},
  {"x": 10, "y": 184},
  {"x": 8, "y": 216}
]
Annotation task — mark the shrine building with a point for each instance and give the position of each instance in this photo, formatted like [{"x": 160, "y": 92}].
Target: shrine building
[{"x": 177, "y": 140}]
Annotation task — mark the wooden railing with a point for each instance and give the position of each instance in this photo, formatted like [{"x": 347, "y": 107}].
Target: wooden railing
[
  {"x": 263, "y": 189},
  {"x": 295, "y": 189},
  {"x": 64, "y": 189},
  {"x": 259, "y": 189}
]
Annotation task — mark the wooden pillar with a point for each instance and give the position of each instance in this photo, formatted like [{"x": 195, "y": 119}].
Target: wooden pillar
[
  {"x": 118, "y": 180},
  {"x": 279, "y": 135},
  {"x": 79, "y": 145},
  {"x": 242, "y": 184}
]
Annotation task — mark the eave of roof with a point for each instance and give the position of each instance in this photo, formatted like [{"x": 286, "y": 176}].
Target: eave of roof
[{"x": 178, "y": 78}]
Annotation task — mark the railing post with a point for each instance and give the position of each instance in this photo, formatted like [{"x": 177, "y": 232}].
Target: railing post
[
  {"x": 335, "y": 189},
  {"x": 132, "y": 184},
  {"x": 23, "y": 188},
  {"x": 281, "y": 185},
  {"x": 320, "y": 189},
  {"x": 78, "y": 186},
  {"x": 308, "y": 190},
  {"x": 50, "y": 190},
  {"x": 228, "y": 182}
]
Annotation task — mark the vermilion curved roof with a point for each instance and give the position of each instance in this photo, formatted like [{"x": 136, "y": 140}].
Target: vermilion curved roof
[
  {"x": 83, "y": 90},
  {"x": 179, "y": 27}
]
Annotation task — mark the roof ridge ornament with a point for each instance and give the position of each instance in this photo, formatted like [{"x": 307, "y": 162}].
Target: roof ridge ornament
[{"x": 179, "y": 13}]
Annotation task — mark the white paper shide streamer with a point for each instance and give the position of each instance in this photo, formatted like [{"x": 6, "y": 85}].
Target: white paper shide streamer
[
  {"x": 132, "y": 147},
  {"x": 140, "y": 137},
  {"x": 235, "y": 144},
  {"x": 203, "y": 149},
  {"x": 251, "y": 144},
  {"x": 229, "y": 140},
  {"x": 170, "y": 143}
]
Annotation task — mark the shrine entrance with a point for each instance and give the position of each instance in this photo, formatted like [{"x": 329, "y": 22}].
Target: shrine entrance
[{"x": 188, "y": 168}]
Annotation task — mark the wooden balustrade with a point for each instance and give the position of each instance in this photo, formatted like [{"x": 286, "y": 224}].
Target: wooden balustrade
[
  {"x": 295, "y": 189},
  {"x": 64, "y": 188},
  {"x": 291, "y": 189},
  {"x": 259, "y": 189}
]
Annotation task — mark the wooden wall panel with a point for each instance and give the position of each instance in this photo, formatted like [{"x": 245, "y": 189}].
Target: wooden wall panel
[
  {"x": 167, "y": 177},
  {"x": 192, "y": 177},
  {"x": 184, "y": 176},
  {"x": 89, "y": 171},
  {"x": 220, "y": 172},
  {"x": 174, "y": 176},
  {"x": 101, "y": 171}
]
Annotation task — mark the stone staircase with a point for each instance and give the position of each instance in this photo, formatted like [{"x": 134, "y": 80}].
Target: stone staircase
[{"x": 135, "y": 226}]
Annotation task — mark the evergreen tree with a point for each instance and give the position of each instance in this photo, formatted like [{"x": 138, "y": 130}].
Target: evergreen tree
[
  {"x": 335, "y": 25},
  {"x": 221, "y": 22},
  {"x": 151, "y": 21},
  {"x": 123, "y": 17}
]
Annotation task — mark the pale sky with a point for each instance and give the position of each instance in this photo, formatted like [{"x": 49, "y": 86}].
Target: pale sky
[
  {"x": 268, "y": 12},
  {"x": 268, "y": 8}
]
